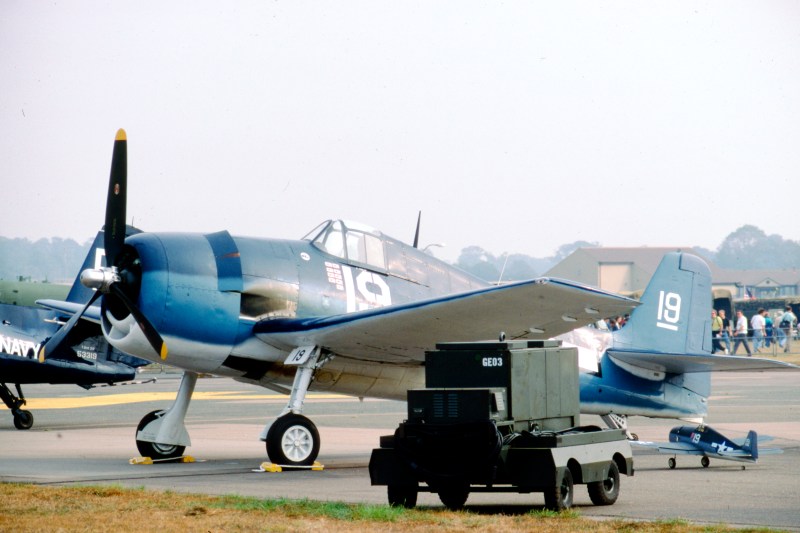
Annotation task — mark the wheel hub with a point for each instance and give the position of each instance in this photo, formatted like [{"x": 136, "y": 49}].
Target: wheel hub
[{"x": 297, "y": 443}]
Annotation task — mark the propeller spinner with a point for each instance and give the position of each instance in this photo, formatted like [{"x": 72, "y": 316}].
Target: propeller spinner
[{"x": 111, "y": 281}]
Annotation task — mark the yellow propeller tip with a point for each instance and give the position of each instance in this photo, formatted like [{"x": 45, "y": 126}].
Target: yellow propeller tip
[
  {"x": 121, "y": 136},
  {"x": 41, "y": 355},
  {"x": 164, "y": 352}
]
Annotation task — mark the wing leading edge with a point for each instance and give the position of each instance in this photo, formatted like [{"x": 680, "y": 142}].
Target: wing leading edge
[
  {"x": 536, "y": 309},
  {"x": 70, "y": 308}
]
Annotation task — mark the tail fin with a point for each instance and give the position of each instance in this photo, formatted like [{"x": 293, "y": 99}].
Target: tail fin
[
  {"x": 675, "y": 313},
  {"x": 94, "y": 259},
  {"x": 751, "y": 444}
]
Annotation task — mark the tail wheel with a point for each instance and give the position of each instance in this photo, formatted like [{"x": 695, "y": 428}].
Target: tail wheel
[
  {"x": 293, "y": 440},
  {"x": 23, "y": 419},
  {"x": 606, "y": 491},
  {"x": 559, "y": 498},
  {"x": 155, "y": 450}
]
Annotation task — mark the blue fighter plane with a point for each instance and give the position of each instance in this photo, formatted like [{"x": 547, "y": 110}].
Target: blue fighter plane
[
  {"x": 349, "y": 309},
  {"x": 707, "y": 442},
  {"x": 85, "y": 358}
]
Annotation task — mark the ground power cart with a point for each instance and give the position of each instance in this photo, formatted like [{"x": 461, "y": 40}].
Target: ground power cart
[{"x": 499, "y": 417}]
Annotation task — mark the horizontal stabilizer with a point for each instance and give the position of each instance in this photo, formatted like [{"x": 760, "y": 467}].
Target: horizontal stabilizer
[
  {"x": 534, "y": 309},
  {"x": 674, "y": 363}
]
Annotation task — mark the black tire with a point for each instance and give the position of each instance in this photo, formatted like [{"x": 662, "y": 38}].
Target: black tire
[
  {"x": 671, "y": 462},
  {"x": 705, "y": 462},
  {"x": 559, "y": 498},
  {"x": 23, "y": 419},
  {"x": 606, "y": 491},
  {"x": 454, "y": 496},
  {"x": 293, "y": 440},
  {"x": 154, "y": 450},
  {"x": 402, "y": 496},
  {"x": 634, "y": 436}
]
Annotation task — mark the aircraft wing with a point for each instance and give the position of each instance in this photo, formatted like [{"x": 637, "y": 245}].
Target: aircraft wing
[
  {"x": 536, "y": 309},
  {"x": 675, "y": 363},
  {"x": 70, "y": 308},
  {"x": 671, "y": 448}
]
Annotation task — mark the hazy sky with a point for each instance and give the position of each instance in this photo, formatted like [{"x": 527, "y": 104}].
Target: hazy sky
[{"x": 516, "y": 126}]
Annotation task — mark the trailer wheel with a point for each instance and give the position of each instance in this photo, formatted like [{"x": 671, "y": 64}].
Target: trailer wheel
[
  {"x": 606, "y": 491},
  {"x": 559, "y": 497},
  {"x": 454, "y": 496},
  {"x": 402, "y": 496}
]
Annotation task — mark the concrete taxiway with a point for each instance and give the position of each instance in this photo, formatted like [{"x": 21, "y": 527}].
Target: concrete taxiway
[{"x": 87, "y": 437}]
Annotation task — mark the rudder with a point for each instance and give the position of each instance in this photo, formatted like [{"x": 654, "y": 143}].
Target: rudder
[{"x": 751, "y": 444}]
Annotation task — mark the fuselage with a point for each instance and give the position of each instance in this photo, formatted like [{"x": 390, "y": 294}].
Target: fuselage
[{"x": 205, "y": 293}]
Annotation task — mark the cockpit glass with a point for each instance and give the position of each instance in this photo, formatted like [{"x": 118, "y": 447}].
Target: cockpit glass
[
  {"x": 316, "y": 231},
  {"x": 353, "y": 243}
]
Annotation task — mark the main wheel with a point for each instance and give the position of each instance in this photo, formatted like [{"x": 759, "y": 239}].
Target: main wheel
[
  {"x": 402, "y": 496},
  {"x": 23, "y": 419},
  {"x": 606, "y": 491},
  {"x": 705, "y": 462},
  {"x": 559, "y": 497},
  {"x": 671, "y": 462},
  {"x": 155, "y": 450},
  {"x": 293, "y": 440},
  {"x": 454, "y": 496}
]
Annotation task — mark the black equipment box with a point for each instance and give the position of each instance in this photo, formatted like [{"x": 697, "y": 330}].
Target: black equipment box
[{"x": 534, "y": 384}]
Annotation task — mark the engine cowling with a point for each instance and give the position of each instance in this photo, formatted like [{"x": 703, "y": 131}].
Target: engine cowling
[{"x": 186, "y": 285}]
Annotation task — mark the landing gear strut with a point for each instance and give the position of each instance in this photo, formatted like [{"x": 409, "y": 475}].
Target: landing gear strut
[
  {"x": 615, "y": 421},
  {"x": 22, "y": 419},
  {"x": 292, "y": 439},
  {"x": 162, "y": 434}
]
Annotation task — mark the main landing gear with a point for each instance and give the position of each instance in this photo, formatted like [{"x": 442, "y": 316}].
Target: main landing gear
[
  {"x": 615, "y": 421},
  {"x": 292, "y": 439},
  {"x": 704, "y": 462},
  {"x": 162, "y": 434},
  {"x": 22, "y": 419}
]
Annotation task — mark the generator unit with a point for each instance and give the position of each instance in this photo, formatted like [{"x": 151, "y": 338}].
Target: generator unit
[
  {"x": 499, "y": 417},
  {"x": 528, "y": 385}
]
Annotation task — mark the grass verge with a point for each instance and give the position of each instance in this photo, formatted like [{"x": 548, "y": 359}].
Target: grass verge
[{"x": 25, "y": 507}]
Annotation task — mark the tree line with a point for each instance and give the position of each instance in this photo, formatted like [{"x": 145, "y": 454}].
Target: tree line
[{"x": 747, "y": 248}]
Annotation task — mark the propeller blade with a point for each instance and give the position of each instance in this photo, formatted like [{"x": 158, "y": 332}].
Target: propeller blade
[
  {"x": 51, "y": 346},
  {"x": 114, "y": 238},
  {"x": 147, "y": 328}
]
